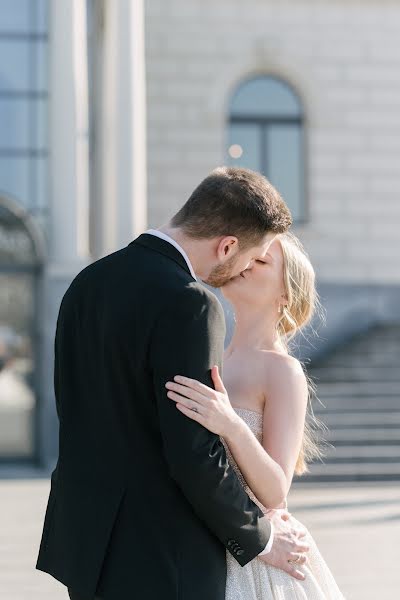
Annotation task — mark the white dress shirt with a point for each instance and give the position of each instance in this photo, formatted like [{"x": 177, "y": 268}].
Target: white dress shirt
[{"x": 169, "y": 239}]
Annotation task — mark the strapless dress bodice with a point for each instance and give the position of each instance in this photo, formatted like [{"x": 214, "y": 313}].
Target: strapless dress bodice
[{"x": 254, "y": 420}]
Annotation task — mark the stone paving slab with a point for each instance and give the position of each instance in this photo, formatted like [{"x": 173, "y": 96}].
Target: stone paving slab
[{"x": 357, "y": 528}]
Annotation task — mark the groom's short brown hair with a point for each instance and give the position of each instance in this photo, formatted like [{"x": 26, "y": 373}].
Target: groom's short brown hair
[{"x": 234, "y": 201}]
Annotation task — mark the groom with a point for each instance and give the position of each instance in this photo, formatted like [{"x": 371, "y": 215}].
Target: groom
[{"x": 143, "y": 503}]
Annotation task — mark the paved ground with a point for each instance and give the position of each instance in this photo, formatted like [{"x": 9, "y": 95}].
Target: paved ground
[{"x": 357, "y": 528}]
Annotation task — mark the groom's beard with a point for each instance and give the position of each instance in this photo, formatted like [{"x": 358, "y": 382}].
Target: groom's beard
[{"x": 221, "y": 274}]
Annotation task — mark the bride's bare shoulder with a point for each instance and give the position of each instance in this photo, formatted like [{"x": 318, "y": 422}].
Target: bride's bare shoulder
[
  {"x": 278, "y": 358},
  {"x": 278, "y": 365}
]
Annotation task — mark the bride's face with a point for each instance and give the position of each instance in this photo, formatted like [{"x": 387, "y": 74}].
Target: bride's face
[{"x": 262, "y": 284}]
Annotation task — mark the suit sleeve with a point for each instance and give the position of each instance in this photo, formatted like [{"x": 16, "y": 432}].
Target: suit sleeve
[{"x": 188, "y": 340}]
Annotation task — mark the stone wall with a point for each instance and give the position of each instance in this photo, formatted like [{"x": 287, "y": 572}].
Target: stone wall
[{"x": 343, "y": 58}]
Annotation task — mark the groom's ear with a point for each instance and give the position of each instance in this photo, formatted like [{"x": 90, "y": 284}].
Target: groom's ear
[{"x": 227, "y": 247}]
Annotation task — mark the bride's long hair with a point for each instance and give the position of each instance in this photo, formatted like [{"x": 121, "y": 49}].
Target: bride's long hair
[{"x": 302, "y": 305}]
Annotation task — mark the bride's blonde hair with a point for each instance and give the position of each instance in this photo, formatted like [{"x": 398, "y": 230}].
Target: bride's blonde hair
[{"x": 302, "y": 304}]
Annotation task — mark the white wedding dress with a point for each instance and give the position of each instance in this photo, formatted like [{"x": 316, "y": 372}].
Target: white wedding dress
[{"x": 259, "y": 581}]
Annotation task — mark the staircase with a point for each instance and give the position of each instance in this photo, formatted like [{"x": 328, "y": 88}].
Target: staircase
[{"x": 359, "y": 386}]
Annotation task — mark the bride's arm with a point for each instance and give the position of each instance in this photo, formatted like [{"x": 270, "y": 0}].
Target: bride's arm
[
  {"x": 286, "y": 396},
  {"x": 267, "y": 469}
]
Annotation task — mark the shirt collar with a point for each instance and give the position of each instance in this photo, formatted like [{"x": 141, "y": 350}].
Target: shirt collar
[{"x": 169, "y": 239}]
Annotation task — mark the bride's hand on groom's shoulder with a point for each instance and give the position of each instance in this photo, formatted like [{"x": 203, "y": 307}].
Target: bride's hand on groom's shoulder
[{"x": 209, "y": 407}]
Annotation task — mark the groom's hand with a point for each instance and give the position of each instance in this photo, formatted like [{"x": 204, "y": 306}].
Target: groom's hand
[{"x": 288, "y": 545}]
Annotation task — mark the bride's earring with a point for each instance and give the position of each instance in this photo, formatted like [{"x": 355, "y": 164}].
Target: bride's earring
[{"x": 281, "y": 307}]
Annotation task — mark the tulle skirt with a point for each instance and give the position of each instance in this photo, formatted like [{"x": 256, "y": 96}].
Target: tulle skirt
[{"x": 259, "y": 581}]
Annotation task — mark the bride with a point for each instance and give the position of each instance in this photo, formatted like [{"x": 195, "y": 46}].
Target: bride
[{"x": 260, "y": 413}]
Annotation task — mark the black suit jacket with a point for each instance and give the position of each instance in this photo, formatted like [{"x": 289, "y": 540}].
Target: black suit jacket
[{"x": 143, "y": 502}]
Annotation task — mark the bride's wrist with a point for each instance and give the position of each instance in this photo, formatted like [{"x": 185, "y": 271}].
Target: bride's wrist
[{"x": 234, "y": 428}]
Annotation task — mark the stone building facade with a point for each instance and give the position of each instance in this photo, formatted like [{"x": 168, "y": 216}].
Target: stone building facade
[
  {"x": 92, "y": 90},
  {"x": 342, "y": 60}
]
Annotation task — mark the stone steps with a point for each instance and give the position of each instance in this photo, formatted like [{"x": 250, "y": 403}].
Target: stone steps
[
  {"x": 355, "y": 373},
  {"x": 355, "y": 389},
  {"x": 363, "y": 453},
  {"x": 367, "y": 419},
  {"x": 382, "y": 435},
  {"x": 359, "y": 392},
  {"x": 353, "y": 471}
]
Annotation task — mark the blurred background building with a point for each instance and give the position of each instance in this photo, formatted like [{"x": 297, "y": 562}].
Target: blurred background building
[{"x": 112, "y": 111}]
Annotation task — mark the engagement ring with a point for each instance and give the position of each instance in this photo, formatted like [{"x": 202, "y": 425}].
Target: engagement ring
[{"x": 296, "y": 560}]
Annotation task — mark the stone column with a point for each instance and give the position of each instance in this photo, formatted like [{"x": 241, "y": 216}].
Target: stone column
[
  {"x": 69, "y": 197},
  {"x": 69, "y": 128},
  {"x": 119, "y": 191}
]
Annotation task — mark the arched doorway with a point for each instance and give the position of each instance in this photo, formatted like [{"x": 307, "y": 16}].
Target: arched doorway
[{"x": 20, "y": 262}]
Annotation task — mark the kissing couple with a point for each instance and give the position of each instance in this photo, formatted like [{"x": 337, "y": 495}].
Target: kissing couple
[{"x": 171, "y": 482}]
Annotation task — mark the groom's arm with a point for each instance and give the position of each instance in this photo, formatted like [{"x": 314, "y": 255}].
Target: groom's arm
[{"x": 188, "y": 340}]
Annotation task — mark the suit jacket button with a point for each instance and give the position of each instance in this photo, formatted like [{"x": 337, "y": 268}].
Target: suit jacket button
[{"x": 240, "y": 552}]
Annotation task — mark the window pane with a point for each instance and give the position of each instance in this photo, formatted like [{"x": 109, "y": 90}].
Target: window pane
[
  {"x": 265, "y": 97},
  {"x": 42, "y": 12},
  {"x": 285, "y": 165},
  {"x": 14, "y": 65},
  {"x": 244, "y": 146},
  {"x": 14, "y": 123},
  {"x": 14, "y": 16},
  {"x": 14, "y": 178}
]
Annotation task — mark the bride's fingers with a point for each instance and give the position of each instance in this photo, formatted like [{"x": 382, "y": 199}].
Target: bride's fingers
[
  {"x": 297, "y": 558},
  {"x": 194, "y": 384},
  {"x": 195, "y": 416},
  {"x": 301, "y": 547},
  {"x": 186, "y": 392},
  {"x": 294, "y": 572},
  {"x": 216, "y": 377},
  {"x": 299, "y": 531},
  {"x": 190, "y": 404},
  {"x": 303, "y": 559}
]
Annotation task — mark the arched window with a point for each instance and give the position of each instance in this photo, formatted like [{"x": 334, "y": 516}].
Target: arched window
[
  {"x": 24, "y": 103},
  {"x": 266, "y": 135}
]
